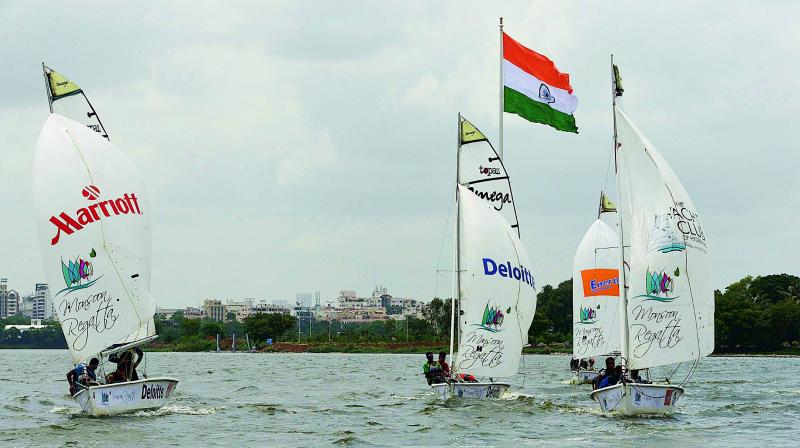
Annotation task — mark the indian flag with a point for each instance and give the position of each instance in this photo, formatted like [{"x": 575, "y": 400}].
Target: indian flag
[{"x": 534, "y": 89}]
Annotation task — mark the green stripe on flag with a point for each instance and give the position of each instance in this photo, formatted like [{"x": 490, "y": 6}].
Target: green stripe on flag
[{"x": 517, "y": 103}]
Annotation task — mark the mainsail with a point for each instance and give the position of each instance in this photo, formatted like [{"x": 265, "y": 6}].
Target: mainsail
[
  {"x": 482, "y": 172},
  {"x": 93, "y": 222},
  {"x": 670, "y": 300},
  {"x": 498, "y": 291},
  {"x": 595, "y": 292},
  {"x": 68, "y": 100}
]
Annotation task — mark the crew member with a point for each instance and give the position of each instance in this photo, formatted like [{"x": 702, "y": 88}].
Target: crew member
[
  {"x": 82, "y": 375},
  {"x": 432, "y": 369}
]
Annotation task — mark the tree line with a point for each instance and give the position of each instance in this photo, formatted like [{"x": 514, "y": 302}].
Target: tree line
[{"x": 754, "y": 314}]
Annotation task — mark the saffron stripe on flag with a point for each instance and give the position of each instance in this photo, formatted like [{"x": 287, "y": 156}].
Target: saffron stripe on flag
[
  {"x": 523, "y": 82},
  {"x": 519, "y": 104},
  {"x": 534, "y": 63}
]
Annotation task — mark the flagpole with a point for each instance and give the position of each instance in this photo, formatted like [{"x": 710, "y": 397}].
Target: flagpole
[{"x": 502, "y": 101}]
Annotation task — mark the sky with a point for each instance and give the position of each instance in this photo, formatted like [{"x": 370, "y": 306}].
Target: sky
[{"x": 303, "y": 146}]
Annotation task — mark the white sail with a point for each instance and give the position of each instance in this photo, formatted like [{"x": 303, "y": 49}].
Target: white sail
[
  {"x": 67, "y": 99},
  {"x": 93, "y": 222},
  {"x": 670, "y": 297},
  {"x": 482, "y": 172},
  {"x": 498, "y": 297},
  {"x": 595, "y": 293}
]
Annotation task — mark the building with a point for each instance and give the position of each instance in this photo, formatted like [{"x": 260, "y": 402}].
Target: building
[
  {"x": 165, "y": 313},
  {"x": 35, "y": 324},
  {"x": 242, "y": 309},
  {"x": 347, "y": 299},
  {"x": 9, "y": 300},
  {"x": 38, "y": 305},
  {"x": 214, "y": 309},
  {"x": 281, "y": 303},
  {"x": 193, "y": 313},
  {"x": 370, "y": 314}
]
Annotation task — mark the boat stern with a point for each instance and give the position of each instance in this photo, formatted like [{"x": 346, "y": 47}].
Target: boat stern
[
  {"x": 632, "y": 399},
  {"x": 123, "y": 398}
]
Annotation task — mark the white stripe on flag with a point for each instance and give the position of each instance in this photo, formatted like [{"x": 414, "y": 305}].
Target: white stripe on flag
[{"x": 530, "y": 86}]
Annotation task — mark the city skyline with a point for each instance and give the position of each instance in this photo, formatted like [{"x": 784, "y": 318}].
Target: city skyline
[{"x": 259, "y": 190}]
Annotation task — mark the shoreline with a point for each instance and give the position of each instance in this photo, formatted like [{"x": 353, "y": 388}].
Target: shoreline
[{"x": 410, "y": 348}]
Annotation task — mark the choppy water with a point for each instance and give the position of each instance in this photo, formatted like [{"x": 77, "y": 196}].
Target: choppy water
[{"x": 336, "y": 399}]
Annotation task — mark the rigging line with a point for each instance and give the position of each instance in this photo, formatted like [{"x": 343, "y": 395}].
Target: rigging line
[
  {"x": 522, "y": 336},
  {"x": 688, "y": 277},
  {"x": 441, "y": 247},
  {"x": 608, "y": 171}
]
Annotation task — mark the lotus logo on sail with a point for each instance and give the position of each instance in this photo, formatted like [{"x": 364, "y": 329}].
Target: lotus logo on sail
[
  {"x": 77, "y": 273},
  {"x": 659, "y": 285},
  {"x": 588, "y": 315},
  {"x": 662, "y": 237},
  {"x": 124, "y": 205},
  {"x": 492, "y": 318}
]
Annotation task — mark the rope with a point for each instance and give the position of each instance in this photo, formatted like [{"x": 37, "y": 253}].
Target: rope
[{"x": 441, "y": 248}]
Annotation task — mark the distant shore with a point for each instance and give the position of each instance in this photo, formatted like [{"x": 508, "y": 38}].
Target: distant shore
[{"x": 409, "y": 348}]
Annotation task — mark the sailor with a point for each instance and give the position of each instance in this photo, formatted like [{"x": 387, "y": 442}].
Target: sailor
[
  {"x": 609, "y": 370},
  {"x": 573, "y": 364},
  {"x": 117, "y": 376},
  {"x": 126, "y": 359},
  {"x": 634, "y": 376},
  {"x": 466, "y": 378},
  {"x": 612, "y": 379},
  {"x": 83, "y": 375},
  {"x": 443, "y": 363},
  {"x": 432, "y": 369}
]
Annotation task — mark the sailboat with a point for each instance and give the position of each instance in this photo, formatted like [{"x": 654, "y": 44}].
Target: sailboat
[
  {"x": 93, "y": 221},
  {"x": 667, "y": 305},
  {"x": 595, "y": 292},
  {"x": 494, "y": 288}
]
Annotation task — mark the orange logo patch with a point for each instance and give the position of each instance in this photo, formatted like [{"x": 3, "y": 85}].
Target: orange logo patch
[{"x": 600, "y": 282}]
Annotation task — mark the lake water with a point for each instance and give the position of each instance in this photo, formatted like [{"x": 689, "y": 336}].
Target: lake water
[{"x": 245, "y": 399}]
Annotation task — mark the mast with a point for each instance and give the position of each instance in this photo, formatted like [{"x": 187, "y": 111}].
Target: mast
[
  {"x": 623, "y": 298},
  {"x": 502, "y": 96},
  {"x": 456, "y": 296}
]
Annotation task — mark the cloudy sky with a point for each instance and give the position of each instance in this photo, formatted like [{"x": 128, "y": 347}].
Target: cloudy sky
[{"x": 300, "y": 146}]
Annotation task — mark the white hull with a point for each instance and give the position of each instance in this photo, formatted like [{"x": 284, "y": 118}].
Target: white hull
[
  {"x": 123, "y": 398},
  {"x": 480, "y": 391},
  {"x": 584, "y": 376},
  {"x": 638, "y": 399}
]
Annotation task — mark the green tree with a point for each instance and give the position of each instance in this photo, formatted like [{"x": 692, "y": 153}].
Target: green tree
[
  {"x": 211, "y": 328},
  {"x": 263, "y": 326},
  {"x": 190, "y": 327}
]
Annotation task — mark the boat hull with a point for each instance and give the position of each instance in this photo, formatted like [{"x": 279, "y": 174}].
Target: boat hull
[
  {"x": 124, "y": 398},
  {"x": 631, "y": 399},
  {"x": 584, "y": 376},
  {"x": 481, "y": 391}
]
